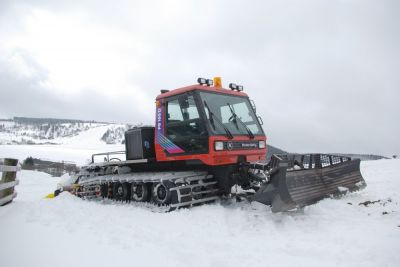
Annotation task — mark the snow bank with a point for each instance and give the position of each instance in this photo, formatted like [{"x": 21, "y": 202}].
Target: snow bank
[
  {"x": 66, "y": 180},
  {"x": 67, "y": 231}
]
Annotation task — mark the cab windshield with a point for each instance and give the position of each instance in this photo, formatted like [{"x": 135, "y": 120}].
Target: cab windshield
[{"x": 233, "y": 113}]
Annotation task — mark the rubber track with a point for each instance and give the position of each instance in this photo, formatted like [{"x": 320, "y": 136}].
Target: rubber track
[{"x": 191, "y": 188}]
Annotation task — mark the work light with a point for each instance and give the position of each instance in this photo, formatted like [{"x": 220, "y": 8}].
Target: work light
[
  {"x": 233, "y": 86},
  {"x": 210, "y": 82},
  {"x": 202, "y": 81}
]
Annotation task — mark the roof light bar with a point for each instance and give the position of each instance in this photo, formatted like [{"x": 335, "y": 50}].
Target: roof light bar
[
  {"x": 236, "y": 87},
  {"x": 204, "y": 81}
]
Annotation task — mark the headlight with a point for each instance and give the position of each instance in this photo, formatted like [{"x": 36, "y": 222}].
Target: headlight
[
  {"x": 261, "y": 144},
  {"x": 218, "y": 145}
]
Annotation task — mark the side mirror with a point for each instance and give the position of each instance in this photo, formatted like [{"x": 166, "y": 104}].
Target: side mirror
[{"x": 260, "y": 120}]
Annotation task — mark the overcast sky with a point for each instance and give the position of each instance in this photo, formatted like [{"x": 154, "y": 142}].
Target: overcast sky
[{"x": 325, "y": 75}]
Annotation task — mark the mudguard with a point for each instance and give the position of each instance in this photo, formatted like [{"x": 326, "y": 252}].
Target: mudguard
[{"x": 300, "y": 180}]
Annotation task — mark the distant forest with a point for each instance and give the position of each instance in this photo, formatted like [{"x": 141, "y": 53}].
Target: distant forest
[{"x": 27, "y": 120}]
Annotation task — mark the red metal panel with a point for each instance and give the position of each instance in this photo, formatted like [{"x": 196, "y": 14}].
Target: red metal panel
[{"x": 216, "y": 158}]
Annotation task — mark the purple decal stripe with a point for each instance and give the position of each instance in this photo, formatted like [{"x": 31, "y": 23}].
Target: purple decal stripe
[
  {"x": 163, "y": 141},
  {"x": 168, "y": 145}
]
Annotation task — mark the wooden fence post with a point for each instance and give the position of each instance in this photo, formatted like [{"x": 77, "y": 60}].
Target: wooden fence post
[{"x": 8, "y": 180}]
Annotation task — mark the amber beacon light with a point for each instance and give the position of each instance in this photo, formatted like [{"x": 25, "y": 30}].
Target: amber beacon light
[{"x": 217, "y": 82}]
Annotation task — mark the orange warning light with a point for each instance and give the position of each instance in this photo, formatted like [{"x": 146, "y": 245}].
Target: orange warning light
[{"x": 217, "y": 82}]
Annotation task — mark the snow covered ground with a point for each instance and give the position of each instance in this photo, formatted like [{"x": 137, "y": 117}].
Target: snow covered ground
[{"x": 67, "y": 231}]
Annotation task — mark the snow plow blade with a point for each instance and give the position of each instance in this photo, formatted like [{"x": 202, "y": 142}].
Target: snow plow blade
[{"x": 300, "y": 180}]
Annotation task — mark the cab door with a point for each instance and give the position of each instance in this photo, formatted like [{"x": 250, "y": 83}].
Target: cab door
[{"x": 184, "y": 125}]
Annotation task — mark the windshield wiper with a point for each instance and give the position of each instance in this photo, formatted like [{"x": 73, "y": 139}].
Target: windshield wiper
[
  {"x": 212, "y": 117},
  {"x": 236, "y": 118}
]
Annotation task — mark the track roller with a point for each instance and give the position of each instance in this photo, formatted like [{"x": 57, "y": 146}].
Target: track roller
[
  {"x": 161, "y": 194},
  {"x": 121, "y": 191},
  {"x": 140, "y": 192}
]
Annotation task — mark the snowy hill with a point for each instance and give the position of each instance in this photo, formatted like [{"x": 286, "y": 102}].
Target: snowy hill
[
  {"x": 58, "y": 140},
  {"x": 116, "y": 134},
  {"x": 67, "y": 231},
  {"x": 77, "y": 148},
  {"x": 36, "y": 132}
]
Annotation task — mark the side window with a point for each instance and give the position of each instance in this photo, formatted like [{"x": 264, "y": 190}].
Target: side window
[
  {"x": 174, "y": 111},
  {"x": 184, "y": 126},
  {"x": 182, "y": 109}
]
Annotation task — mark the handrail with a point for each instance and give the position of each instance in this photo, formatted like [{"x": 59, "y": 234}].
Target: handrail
[{"x": 107, "y": 159}]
